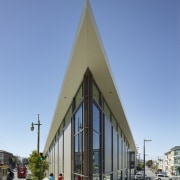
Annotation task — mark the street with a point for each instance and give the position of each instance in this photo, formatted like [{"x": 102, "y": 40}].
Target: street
[
  {"x": 16, "y": 178},
  {"x": 150, "y": 174}
]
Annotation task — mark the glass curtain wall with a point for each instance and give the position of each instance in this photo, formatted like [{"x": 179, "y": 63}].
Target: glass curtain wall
[
  {"x": 78, "y": 131},
  {"x": 78, "y": 142},
  {"x": 89, "y": 141},
  {"x": 115, "y": 148},
  {"x": 61, "y": 160},
  {"x": 110, "y": 147},
  {"x": 108, "y": 167},
  {"x": 67, "y": 151},
  {"x": 96, "y": 142},
  {"x": 56, "y": 164},
  {"x": 97, "y": 126}
]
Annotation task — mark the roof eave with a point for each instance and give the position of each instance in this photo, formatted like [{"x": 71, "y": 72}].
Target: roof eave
[{"x": 88, "y": 52}]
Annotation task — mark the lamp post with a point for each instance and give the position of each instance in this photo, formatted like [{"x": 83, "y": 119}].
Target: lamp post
[
  {"x": 32, "y": 129},
  {"x": 137, "y": 158},
  {"x": 145, "y": 140}
]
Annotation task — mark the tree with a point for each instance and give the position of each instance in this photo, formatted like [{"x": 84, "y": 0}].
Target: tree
[
  {"x": 38, "y": 165},
  {"x": 149, "y": 163},
  {"x": 140, "y": 166}
]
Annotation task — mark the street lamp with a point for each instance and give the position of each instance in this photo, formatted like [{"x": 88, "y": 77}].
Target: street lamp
[
  {"x": 145, "y": 140},
  {"x": 32, "y": 129},
  {"x": 137, "y": 158}
]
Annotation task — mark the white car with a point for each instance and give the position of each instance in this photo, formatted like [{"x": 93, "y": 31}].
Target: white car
[
  {"x": 162, "y": 177},
  {"x": 139, "y": 175}
]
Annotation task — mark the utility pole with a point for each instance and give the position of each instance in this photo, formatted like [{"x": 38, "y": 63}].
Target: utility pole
[{"x": 38, "y": 133}]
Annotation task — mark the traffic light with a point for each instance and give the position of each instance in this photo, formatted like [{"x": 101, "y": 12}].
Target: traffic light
[{"x": 41, "y": 157}]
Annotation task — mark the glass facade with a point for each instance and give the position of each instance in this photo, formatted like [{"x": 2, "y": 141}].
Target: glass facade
[
  {"x": 90, "y": 143},
  {"x": 96, "y": 140},
  {"x": 78, "y": 141},
  {"x": 107, "y": 146}
]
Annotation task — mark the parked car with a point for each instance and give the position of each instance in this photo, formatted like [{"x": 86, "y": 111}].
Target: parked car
[
  {"x": 139, "y": 175},
  {"x": 162, "y": 177}
]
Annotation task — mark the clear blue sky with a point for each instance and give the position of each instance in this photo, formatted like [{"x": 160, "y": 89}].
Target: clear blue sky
[{"x": 142, "y": 43}]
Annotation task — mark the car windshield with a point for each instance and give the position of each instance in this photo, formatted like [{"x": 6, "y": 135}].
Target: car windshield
[{"x": 160, "y": 175}]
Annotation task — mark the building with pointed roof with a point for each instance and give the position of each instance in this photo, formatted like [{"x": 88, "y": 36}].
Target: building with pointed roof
[{"x": 89, "y": 136}]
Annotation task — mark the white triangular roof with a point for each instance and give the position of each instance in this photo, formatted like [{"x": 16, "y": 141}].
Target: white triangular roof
[{"x": 88, "y": 52}]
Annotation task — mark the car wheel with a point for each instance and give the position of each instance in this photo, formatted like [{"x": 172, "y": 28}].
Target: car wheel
[{"x": 159, "y": 178}]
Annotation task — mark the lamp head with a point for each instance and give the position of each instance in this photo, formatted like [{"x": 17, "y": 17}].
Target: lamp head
[
  {"x": 32, "y": 127},
  {"x": 147, "y": 140}
]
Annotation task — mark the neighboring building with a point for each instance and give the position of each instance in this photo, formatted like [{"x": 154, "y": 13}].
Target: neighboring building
[
  {"x": 6, "y": 158},
  {"x": 159, "y": 165},
  {"x": 173, "y": 161},
  {"x": 89, "y": 136},
  {"x": 24, "y": 161}
]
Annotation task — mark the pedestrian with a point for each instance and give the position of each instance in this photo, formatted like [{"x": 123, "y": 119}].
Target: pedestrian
[
  {"x": 51, "y": 176},
  {"x": 60, "y": 177},
  {"x": 10, "y": 175},
  {"x": 79, "y": 177}
]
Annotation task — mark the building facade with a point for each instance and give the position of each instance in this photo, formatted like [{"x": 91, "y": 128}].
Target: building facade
[
  {"x": 89, "y": 136},
  {"x": 6, "y": 158},
  {"x": 173, "y": 161}
]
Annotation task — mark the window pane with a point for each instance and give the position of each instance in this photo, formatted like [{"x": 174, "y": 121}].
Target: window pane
[
  {"x": 119, "y": 131},
  {"x": 96, "y": 94},
  {"x": 96, "y": 153},
  {"x": 96, "y": 118},
  {"x": 107, "y": 111},
  {"x": 114, "y": 122},
  {"x": 78, "y": 121},
  {"x": 96, "y": 177},
  {"x": 107, "y": 177},
  {"x": 120, "y": 174},
  {"x": 78, "y": 141},
  {"x": 96, "y": 140},
  {"x": 115, "y": 154},
  {"x": 108, "y": 145},
  {"x": 61, "y": 154},
  {"x": 78, "y": 97},
  {"x": 67, "y": 151},
  {"x": 120, "y": 152},
  {"x": 68, "y": 115},
  {"x": 78, "y": 153},
  {"x": 78, "y": 177}
]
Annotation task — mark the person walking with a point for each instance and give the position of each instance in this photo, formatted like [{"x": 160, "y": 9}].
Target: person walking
[
  {"x": 79, "y": 177},
  {"x": 10, "y": 175},
  {"x": 60, "y": 177},
  {"x": 51, "y": 176}
]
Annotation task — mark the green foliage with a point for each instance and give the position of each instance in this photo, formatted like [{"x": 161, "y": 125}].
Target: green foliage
[
  {"x": 140, "y": 166},
  {"x": 149, "y": 163},
  {"x": 38, "y": 167}
]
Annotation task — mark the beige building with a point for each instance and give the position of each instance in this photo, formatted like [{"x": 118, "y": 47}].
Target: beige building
[
  {"x": 173, "y": 161},
  {"x": 89, "y": 136}
]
